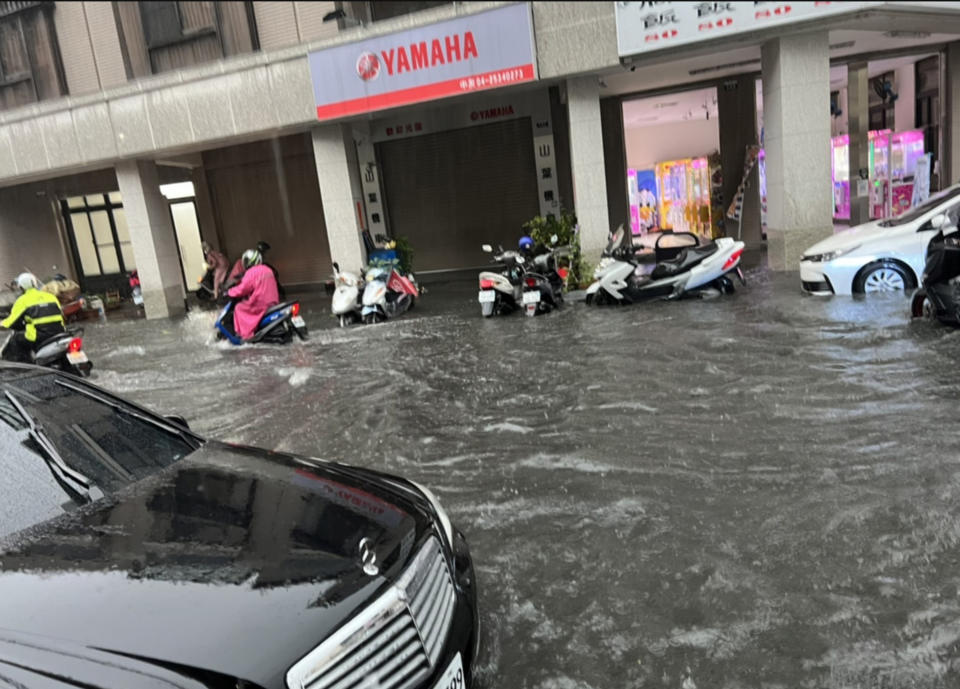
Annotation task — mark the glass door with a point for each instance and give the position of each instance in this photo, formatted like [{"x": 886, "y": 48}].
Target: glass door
[{"x": 100, "y": 241}]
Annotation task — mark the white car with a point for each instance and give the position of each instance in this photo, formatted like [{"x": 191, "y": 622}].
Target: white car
[{"x": 879, "y": 256}]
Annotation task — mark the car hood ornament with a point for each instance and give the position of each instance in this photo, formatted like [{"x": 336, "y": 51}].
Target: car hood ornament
[{"x": 368, "y": 558}]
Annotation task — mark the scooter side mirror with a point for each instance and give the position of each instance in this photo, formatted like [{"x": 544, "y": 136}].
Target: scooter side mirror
[
  {"x": 554, "y": 239},
  {"x": 520, "y": 260},
  {"x": 336, "y": 266},
  {"x": 487, "y": 249}
]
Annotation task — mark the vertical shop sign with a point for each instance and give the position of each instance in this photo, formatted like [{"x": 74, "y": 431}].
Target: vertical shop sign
[{"x": 471, "y": 53}]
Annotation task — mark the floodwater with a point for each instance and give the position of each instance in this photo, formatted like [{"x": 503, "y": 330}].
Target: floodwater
[{"x": 760, "y": 490}]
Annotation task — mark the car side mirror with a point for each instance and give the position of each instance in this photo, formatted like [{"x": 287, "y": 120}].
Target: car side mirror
[
  {"x": 937, "y": 221},
  {"x": 487, "y": 248},
  {"x": 177, "y": 419}
]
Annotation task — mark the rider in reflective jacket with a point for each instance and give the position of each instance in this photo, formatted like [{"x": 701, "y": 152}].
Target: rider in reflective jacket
[{"x": 35, "y": 317}]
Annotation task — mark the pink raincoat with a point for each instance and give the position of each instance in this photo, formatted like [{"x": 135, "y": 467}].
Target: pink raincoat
[{"x": 258, "y": 290}]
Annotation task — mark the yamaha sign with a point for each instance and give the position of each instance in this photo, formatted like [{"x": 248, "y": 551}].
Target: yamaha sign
[{"x": 471, "y": 53}]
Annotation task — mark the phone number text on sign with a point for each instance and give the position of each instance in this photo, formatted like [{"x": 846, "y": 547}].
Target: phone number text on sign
[{"x": 499, "y": 78}]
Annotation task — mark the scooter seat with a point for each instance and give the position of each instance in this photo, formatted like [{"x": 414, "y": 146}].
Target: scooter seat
[
  {"x": 278, "y": 307},
  {"x": 685, "y": 260},
  {"x": 56, "y": 337}
]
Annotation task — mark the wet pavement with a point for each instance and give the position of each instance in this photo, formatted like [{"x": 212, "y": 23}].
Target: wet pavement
[{"x": 758, "y": 490}]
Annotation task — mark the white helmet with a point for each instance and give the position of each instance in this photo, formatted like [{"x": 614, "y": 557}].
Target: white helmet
[{"x": 27, "y": 281}]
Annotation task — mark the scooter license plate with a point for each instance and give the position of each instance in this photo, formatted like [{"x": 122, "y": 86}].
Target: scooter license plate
[
  {"x": 486, "y": 296},
  {"x": 298, "y": 322},
  {"x": 531, "y": 297},
  {"x": 77, "y": 358}
]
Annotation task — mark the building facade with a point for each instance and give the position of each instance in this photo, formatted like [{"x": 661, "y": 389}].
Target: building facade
[{"x": 131, "y": 130}]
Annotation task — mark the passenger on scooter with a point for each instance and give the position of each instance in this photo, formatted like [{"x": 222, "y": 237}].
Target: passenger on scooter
[
  {"x": 219, "y": 264},
  {"x": 256, "y": 293},
  {"x": 35, "y": 317}
]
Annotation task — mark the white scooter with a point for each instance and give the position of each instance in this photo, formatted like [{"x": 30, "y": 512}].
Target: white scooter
[
  {"x": 345, "y": 303},
  {"x": 501, "y": 292},
  {"x": 670, "y": 271}
]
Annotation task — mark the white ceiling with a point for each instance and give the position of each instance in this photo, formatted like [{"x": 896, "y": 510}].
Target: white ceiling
[{"x": 674, "y": 107}]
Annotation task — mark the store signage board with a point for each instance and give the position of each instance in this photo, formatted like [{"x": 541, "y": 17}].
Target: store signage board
[
  {"x": 471, "y": 53},
  {"x": 646, "y": 27}
]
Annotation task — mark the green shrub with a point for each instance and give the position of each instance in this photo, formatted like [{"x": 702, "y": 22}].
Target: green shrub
[{"x": 542, "y": 229}]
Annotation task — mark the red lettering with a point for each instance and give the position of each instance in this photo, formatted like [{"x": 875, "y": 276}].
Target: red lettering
[
  {"x": 779, "y": 12},
  {"x": 719, "y": 24},
  {"x": 436, "y": 53},
  {"x": 387, "y": 56},
  {"x": 469, "y": 46},
  {"x": 403, "y": 64},
  {"x": 656, "y": 37},
  {"x": 453, "y": 48},
  {"x": 418, "y": 55}
]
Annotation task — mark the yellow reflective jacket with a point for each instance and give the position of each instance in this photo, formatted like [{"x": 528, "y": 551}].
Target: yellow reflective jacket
[{"x": 34, "y": 308}]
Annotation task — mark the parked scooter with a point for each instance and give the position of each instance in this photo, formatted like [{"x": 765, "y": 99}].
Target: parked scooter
[
  {"x": 388, "y": 293},
  {"x": 677, "y": 266},
  {"x": 346, "y": 304},
  {"x": 63, "y": 352},
  {"x": 939, "y": 296},
  {"x": 205, "y": 289},
  {"x": 543, "y": 281},
  {"x": 278, "y": 325},
  {"x": 501, "y": 292}
]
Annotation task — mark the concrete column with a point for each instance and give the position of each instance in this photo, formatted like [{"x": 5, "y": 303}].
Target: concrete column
[
  {"x": 340, "y": 190},
  {"x": 615, "y": 161},
  {"x": 153, "y": 239},
  {"x": 950, "y": 168},
  {"x": 796, "y": 105},
  {"x": 737, "y": 115},
  {"x": 858, "y": 123},
  {"x": 586, "y": 165}
]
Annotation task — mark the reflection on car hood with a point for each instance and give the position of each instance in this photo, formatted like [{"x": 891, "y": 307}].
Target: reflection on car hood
[
  {"x": 857, "y": 236},
  {"x": 233, "y": 560}
]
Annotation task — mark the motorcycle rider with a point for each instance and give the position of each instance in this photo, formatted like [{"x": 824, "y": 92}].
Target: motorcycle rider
[
  {"x": 35, "y": 317},
  {"x": 219, "y": 264},
  {"x": 256, "y": 293}
]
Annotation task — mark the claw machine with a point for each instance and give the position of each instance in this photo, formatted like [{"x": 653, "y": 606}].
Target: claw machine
[{"x": 683, "y": 188}]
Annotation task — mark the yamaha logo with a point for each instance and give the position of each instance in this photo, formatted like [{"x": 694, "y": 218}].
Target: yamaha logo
[{"x": 368, "y": 66}]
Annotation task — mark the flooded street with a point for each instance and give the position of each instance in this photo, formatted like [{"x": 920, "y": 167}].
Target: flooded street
[{"x": 760, "y": 490}]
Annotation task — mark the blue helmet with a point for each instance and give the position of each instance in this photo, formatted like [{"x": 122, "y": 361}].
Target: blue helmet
[{"x": 526, "y": 243}]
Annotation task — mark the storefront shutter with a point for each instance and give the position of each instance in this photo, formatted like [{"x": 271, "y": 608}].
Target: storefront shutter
[{"x": 452, "y": 192}]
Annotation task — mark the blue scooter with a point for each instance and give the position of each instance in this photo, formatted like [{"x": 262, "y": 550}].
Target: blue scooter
[{"x": 278, "y": 325}]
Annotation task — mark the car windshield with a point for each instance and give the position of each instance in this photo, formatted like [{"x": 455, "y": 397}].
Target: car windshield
[
  {"x": 65, "y": 443},
  {"x": 925, "y": 207}
]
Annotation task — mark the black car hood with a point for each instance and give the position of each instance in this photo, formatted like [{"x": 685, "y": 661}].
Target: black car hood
[{"x": 233, "y": 560}]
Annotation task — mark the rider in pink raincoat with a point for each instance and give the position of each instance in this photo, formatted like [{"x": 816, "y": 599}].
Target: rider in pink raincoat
[{"x": 257, "y": 292}]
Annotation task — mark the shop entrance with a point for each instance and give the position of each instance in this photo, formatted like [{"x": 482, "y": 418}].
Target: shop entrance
[
  {"x": 100, "y": 239},
  {"x": 672, "y": 146},
  {"x": 451, "y": 192}
]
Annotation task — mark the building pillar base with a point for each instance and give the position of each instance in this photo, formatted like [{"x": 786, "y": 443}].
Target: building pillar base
[{"x": 784, "y": 248}]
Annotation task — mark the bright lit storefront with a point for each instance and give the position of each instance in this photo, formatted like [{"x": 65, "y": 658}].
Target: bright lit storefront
[{"x": 673, "y": 164}]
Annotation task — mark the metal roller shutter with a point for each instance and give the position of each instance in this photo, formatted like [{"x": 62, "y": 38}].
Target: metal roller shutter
[
  {"x": 270, "y": 192},
  {"x": 452, "y": 192}
]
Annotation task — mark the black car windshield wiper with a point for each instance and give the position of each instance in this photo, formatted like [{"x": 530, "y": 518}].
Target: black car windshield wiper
[
  {"x": 188, "y": 438},
  {"x": 67, "y": 475}
]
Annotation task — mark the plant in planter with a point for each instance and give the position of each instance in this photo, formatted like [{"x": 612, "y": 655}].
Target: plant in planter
[{"x": 543, "y": 228}]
